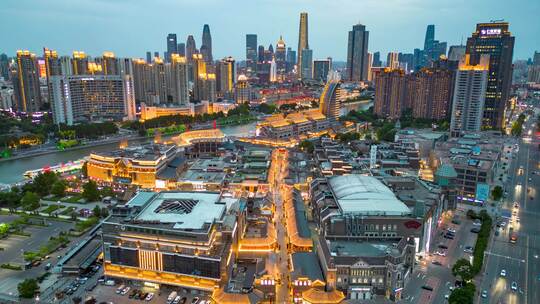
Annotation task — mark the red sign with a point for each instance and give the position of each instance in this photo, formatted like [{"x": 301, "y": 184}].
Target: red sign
[{"x": 412, "y": 224}]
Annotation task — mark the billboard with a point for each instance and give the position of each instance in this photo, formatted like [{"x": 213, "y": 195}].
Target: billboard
[{"x": 482, "y": 192}]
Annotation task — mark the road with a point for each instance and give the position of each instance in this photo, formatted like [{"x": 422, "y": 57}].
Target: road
[
  {"x": 520, "y": 260},
  {"x": 279, "y": 169}
]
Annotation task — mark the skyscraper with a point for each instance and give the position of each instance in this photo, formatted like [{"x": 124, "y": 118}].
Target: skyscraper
[
  {"x": 307, "y": 64},
  {"x": 302, "y": 39},
  {"x": 357, "y": 50},
  {"x": 179, "y": 80},
  {"x": 281, "y": 58},
  {"x": 251, "y": 52},
  {"x": 456, "y": 52},
  {"x": 26, "y": 84},
  {"x": 433, "y": 49},
  {"x": 392, "y": 60},
  {"x": 172, "y": 46},
  {"x": 495, "y": 40},
  {"x": 377, "y": 59},
  {"x": 4, "y": 66},
  {"x": 321, "y": 69},
  {"x": 469, "y": 95},
  {"x": 242, "y": 91},
  {"x": 207, "y": 44},
  {"x": 260, "y": 54},
  {"x": 79, "y": 63},
  {"x": 429, "y": 93},
  {"x": 226, "y": 76},
  {"x": 110, "y": 64},
  {"x": 389, "y": 93},
  {"x": 148, "y": 57},
  {"x": 191, "y": 48},
  {"x": 181, "y": 49},
  {"x": 291, "y": 59},
  {"x": 430, "y": 37},
  {"x": 406, "y": 61}
]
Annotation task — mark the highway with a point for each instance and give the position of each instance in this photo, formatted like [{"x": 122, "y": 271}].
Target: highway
[{"x": 520, "y": 260}]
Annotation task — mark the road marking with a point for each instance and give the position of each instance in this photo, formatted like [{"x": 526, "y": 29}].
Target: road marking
[
  {"x": 504, "y": 256},
  {"x": 527, "y": 269}
]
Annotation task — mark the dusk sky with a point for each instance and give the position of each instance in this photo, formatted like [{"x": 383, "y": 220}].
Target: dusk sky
[{"x": 131, "y": 27}]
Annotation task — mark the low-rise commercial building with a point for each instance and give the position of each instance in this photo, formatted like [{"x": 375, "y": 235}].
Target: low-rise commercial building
[{"x": 294, "y": 125}]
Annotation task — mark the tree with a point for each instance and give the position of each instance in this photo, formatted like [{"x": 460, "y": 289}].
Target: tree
[
  {"x": 90, "y": 191},
  {"x": 4, "y": 228},
  {"x": 104, "y": 212},
  {"x": 463, "y": 268},
  {"x": 463, "y": 295},
  {"x": 497, "y": 193},
  {"x": 307, "y": 146},
  {"x": 11, "y": 199},
  {"x": 44, "y": 181},
  {"x": 30, "y": 201},
  {"x": 76, "y": 300},
  {"x": 97, "y": 211},
  {"x": 28, "y": 288},
  {"x": 58, "y": 189}
]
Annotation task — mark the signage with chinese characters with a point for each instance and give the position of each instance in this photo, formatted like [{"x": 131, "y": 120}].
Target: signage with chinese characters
[{"x": 492, "y": 31}]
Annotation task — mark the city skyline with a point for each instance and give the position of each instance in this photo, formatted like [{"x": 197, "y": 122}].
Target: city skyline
[{"x": 95, "y": 27}]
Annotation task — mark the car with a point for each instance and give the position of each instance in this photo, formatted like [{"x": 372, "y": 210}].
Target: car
[
  {"x": 451, "y": 230},
  {"x": 503, "y": 224},
  {"x": 484, "y": 294},
  {"x": 177, "y": 299},
  {"x": 436, "y": 263},
  {"x": 456, "y": 222},
  {"x": 468, "y": 249},
  {"x": 427, "y": 287},
  {"x": 477, "y": 223},
  {"x": 442, "y": 246},
  {"x": 133, "y": 293},
  {"x": 143, "y": 295},
  {"x": 447, "y": 296},
  {"x": 183, "y": 300},
  {"x": 475, "y": 230},
  {"x": 440, "y": 252},
  {"x": 195, "y": 300},
  {"x": 503, "y": 272},
  {"x": 125, "y": 290},
  {"x": 514, "y": 286},
  {"x": 451, "y": 287},
  {"x": 516, "y": 205},
  {"x": 149, "y": 297},
  {"x": 448, "y": 236}
]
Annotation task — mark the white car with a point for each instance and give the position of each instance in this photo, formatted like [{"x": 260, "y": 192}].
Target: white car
[
  {"x": 126, "y": 290},
  {"x": 451, "y": 230},
  {"x": 446, "y": 296},
  {"x": 150, "y": 296},
  {"x": 514, "y": 286},
  {"x": 503, "y": 273}
]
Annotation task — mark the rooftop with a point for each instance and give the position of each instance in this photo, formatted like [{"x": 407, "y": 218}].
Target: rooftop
[
  {"x": 148, "y": 152},
  {"x": 362, "y": 248},
  {"x": 185, "y": 210},
  {"x": 360, "y": 194}
]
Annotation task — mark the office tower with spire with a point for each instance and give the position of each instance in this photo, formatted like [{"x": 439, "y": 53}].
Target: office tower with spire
[
  {"x": 495, "y": 40},
  {"x": 307, "y": 64},
  {"x": 303, "y": 42},
  {"x": 280, "y": 57},
  {"x": 206, "y": 46},
  {"x": 172, "y": 46},
  {"x": 357, "y": 50},
  {"x": 392, "y": 60},
  {"x": 251, "y": 52},
  {"x": 26, "y": 88},
  {"x": 470, "y": 89}
]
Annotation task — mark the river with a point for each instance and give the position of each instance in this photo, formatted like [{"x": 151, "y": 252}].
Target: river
[{"x": 12, "y": 171}]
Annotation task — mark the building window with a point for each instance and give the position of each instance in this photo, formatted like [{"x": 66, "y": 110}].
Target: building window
[{"x": 339, "y": 280}]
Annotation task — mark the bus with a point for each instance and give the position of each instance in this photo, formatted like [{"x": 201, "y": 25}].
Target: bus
[{"x": 513, "y": 238}]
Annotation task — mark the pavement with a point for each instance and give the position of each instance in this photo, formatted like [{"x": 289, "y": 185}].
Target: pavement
[{"x": 520, "y": 260}]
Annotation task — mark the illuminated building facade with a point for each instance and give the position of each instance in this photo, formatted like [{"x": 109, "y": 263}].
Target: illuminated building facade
[
  {"x": 178, "y": 88},
  {"x": 79, "y": 63},
  {"x": 80, "y": 98},
  {"x": 147, "y": 166},
  {"x": 174, "y": 238},
  {"x": 294, "y": 125},
  {"x": 280, "y": 57},
  {"x": 469, "y": 96},
  {"x": 226, "y": 77},
  {"x": 149, "y": 112},
  {"x": 242, "y": 90},
  {"x": 392, "y": 60},
  {"x": 429, "y": 93},
  {"x": 389, "y": 93},
  {"x": 26, "y": 85},
  {"x": 329, "y": 102},
  {"x": 494, "y": 39},
  {"x": 110, "y": 64},
  {"x": 307, "y": 64}
]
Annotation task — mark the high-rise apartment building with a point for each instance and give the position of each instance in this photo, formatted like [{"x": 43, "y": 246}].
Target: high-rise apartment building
[
  {"x": 470, "y": 88},
  {"x": 4, "y": 66},
  {"x": 321, "y": 68},
  {"x": 26, "y": 85},
  {"x": 406, "y": 62},
  {"x": 429, "y": 93},
  {"x": 79, "y": 63},
  {"x": 456, "y": 52},
  {"x": 377, "y": 59},
  {"x": 206, "y": 46},
  {"x": 357, "y": 53},
  {"x": 307, "y": 64},
  {"x": 172, "y": 46},
  {"x": 226, "y": 77},
  {"x": 533, "y": 73},
  {"x": 159, "y": 78},
  {"x": 204, "y": 85},
  {"x": 303, "y": 42},
  {"x": 495, "y": 40},
  {"x": 179, "y": 80},
  {"x": 392, "y": 60},
  {"x": 251, "y": 52},
  {"x": 84, "y": 98},
  {"x": 110, "y": 64},
  {"x": 389, "y": 93}
]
